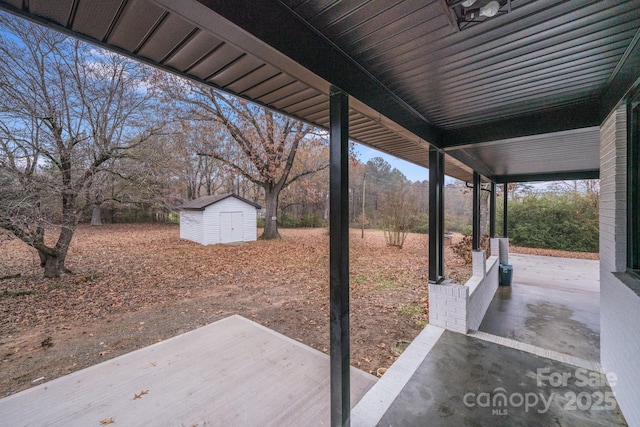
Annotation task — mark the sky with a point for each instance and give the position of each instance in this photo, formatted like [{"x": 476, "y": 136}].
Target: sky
[
  {"x": 414, "y": 172},
  {"x": 411, "y": 171}
]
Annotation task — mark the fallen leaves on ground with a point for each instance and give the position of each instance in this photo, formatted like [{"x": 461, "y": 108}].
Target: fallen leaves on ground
[{"x": 138, "y": 284}]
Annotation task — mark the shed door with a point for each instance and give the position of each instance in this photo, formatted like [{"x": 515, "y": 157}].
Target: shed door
[{"x": 230, "y": 227}]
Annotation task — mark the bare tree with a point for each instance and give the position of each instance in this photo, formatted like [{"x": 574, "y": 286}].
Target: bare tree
[
  {"x": 202, "y": 175},
  {"x": 66, "y": 109},
  {"x": 260, "y": 145},
  {"x": 399, "y": 214},
  {"x": 307, "y": 198},
  {"x": 587, "y": 187},
  {"x": 141, "y": 181}
]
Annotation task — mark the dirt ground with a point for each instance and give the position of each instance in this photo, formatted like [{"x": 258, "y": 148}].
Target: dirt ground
[{"x": 134, "y": 285}]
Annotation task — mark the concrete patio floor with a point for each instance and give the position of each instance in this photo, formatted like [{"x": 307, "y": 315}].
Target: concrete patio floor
[
  {"x": 553, "y": 303},
  {"x": 233, "y": 372},
  {"x": 534, "y": 361},
  {"x": 466, "y": 381}
]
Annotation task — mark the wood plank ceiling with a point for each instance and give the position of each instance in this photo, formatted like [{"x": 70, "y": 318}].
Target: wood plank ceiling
[{"x": 414, "y": 79}]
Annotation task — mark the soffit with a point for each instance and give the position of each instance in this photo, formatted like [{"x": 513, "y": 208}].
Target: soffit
[{"x": 413, "y": 79}]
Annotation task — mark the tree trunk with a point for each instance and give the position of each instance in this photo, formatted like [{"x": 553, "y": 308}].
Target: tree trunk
[
  {"x": 270, "y": 223},
  {"x": 53, "y": 259},
  {"x": 53, "y": 265},
  {"x": 96, "y": 215}
]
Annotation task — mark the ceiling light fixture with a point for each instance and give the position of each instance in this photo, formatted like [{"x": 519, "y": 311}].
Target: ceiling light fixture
[
  {"x": 488, "y": 11},
  {"x": 466, "y": 13}
]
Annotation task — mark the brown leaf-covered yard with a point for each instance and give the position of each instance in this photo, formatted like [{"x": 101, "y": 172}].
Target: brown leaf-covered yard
[{"x": 134, "y": 285}]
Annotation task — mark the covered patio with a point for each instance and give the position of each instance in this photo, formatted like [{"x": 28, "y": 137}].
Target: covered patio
[
  {"x": 546, "y": 324},
  {"x": 527, "y": 90},
  {"x": 553, "y": 303},
  {"x": 452, "y": 379}
]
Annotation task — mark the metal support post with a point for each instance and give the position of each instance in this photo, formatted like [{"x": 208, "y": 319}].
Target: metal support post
[
  {"x": 339, "y": 259},
  {"x": 504, "y": 213},
  {"x": 436, "y": 215},
  {"x": 492, "y": 211},
  {"x": 476, "y": 211}
]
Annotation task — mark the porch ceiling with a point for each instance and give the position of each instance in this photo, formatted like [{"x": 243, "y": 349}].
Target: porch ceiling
[{"x": 484, "y": 95}]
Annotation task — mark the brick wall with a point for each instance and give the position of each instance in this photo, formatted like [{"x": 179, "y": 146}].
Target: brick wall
[
  {"x": 619, "y": 302},
  {"x": 481, "y": 296},
  {"x": 448, "y": 306},
  {"x": 462, "y": 307},
  {"x": 613, "y": 191}
]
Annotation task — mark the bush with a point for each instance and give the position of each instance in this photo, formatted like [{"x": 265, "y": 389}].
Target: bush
[
  {"x": 457, "y": 223},
  {"x": 293, "y": 221},
  {"x": 565, "y": 222},
  {"x": 311, "y": 221},
  {"x": 288, "y": 221},
  {"x": 399, "y": 216},
  {"x": 422, "y": 226}
]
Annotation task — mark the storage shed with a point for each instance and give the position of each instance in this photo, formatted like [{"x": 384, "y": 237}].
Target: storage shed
[{"x": 226, "y": 218}]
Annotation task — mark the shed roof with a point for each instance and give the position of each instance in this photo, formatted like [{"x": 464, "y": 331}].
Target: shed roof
[{"x": 201, "y": 203}]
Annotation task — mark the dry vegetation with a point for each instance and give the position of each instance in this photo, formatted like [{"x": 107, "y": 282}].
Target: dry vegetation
[{"x": 134, "y": 285}]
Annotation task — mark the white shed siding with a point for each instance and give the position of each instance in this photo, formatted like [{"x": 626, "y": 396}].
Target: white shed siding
[
  {"x": 191, "y": 226},
  {"x": 210, "y": 225},
  {"x": 619, "y": 303},
  {"x": 249, "y": 226}
]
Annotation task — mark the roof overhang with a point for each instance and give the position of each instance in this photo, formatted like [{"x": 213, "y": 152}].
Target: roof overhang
[
  {"x": 560, "y": 69},
  {"x": 541, "y": 157}
]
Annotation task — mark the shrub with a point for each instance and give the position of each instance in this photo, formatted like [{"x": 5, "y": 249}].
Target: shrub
[
  {"x": 565, "y": 222},
  {"x": 398, "y": 216},
  {"x": 422, "y": 224},
  {"x": 288, "y": 221}
]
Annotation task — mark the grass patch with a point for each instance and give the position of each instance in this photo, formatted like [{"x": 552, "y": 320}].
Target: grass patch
[
  {"x": 380, "y": 281},
  {"x": 412, "y": 310},
  {"x": 87, "y": 278},
  {"x": 417, "y": 314},
  {"x": 359, "y": 280},
  {"x": 387, "y": 285}
]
